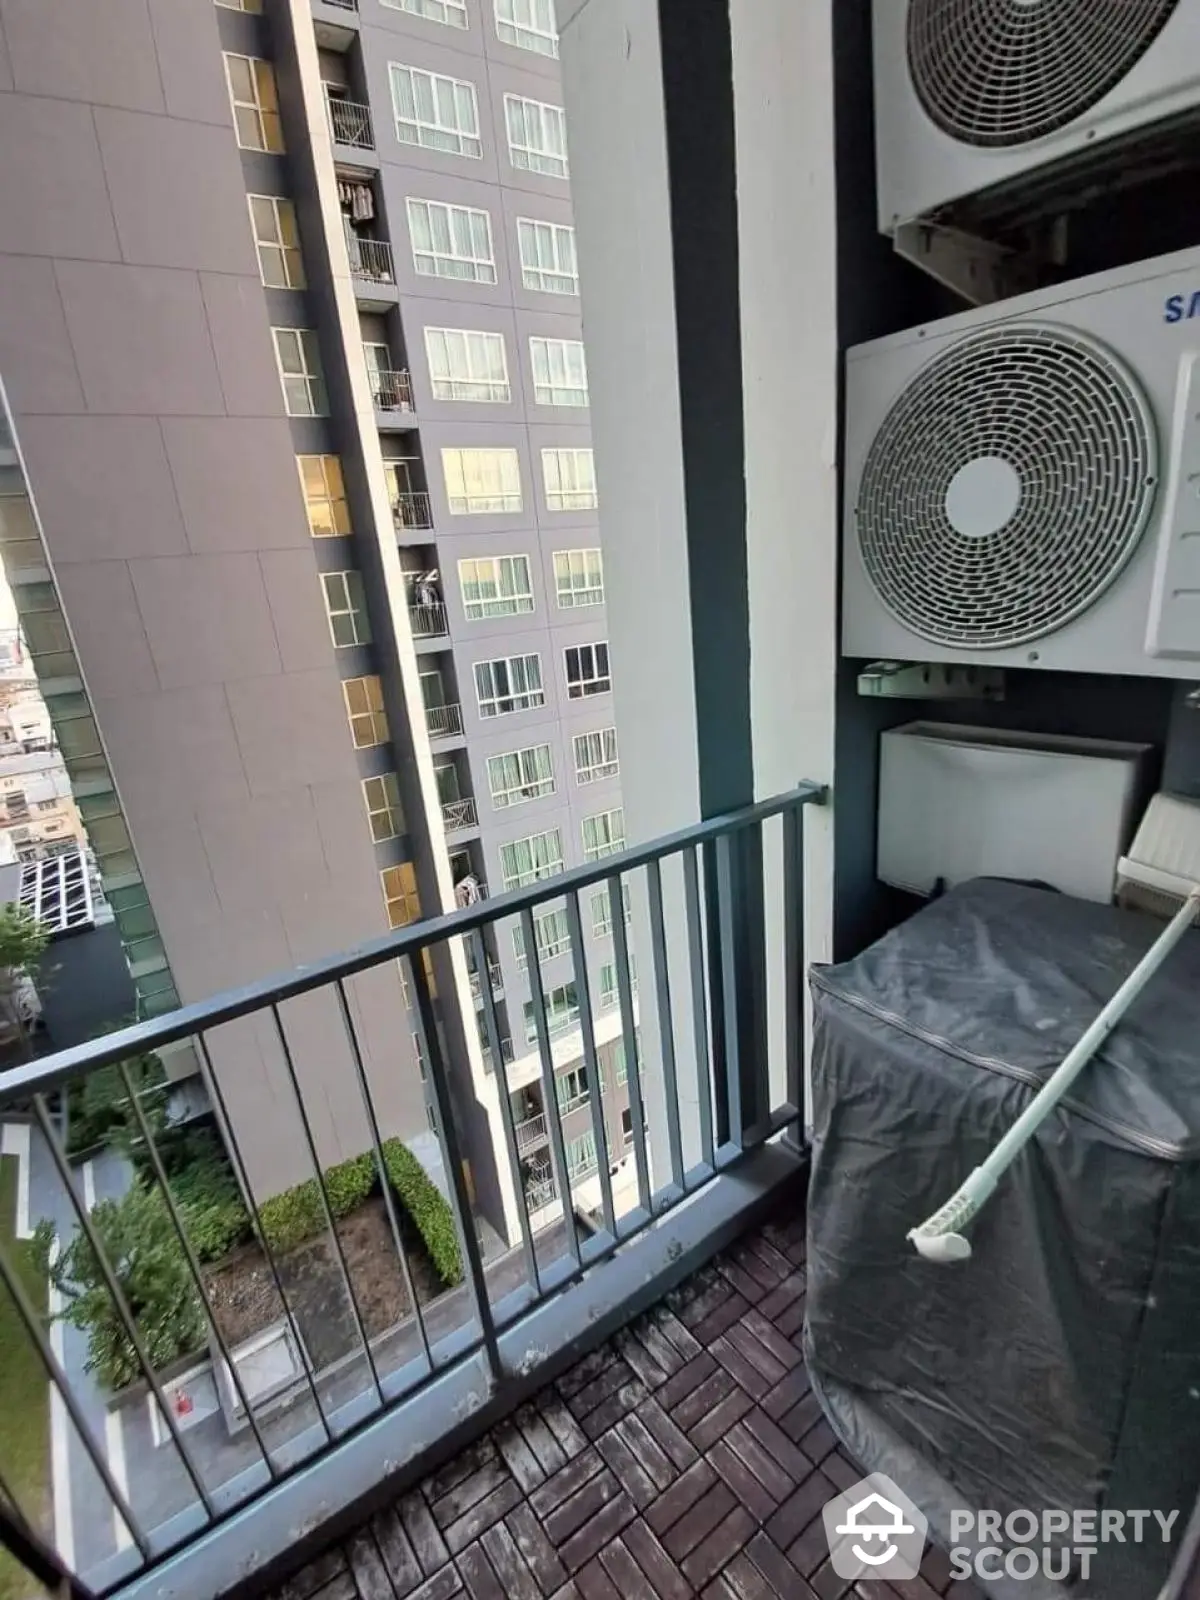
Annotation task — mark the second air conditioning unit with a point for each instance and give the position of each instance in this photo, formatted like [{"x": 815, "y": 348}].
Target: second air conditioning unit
[
  {"x": 1023, "y": 481},
  {"x": 980, "y": 95}
]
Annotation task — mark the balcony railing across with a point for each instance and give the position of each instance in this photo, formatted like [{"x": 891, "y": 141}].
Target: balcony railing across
[
  {"x": 350, "y": 121},
  {"x": 444, "y": 722},
  {"x": 371, "y": 259},
  {"x": 459, "y": 814},
  {"x": 720, "y": 907},
  {"x": 391, "y": 389},
  {"x": 411, "y": 509},
  {"x": 428, "y": 621}
]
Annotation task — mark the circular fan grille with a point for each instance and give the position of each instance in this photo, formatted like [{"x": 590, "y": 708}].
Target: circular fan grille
[
  {"x": 1007, "y": 487},
  {"x": 1003, "y": 72}
]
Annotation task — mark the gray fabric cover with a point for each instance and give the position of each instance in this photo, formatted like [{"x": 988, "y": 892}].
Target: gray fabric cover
[{"x": 1060, "y": 1365}]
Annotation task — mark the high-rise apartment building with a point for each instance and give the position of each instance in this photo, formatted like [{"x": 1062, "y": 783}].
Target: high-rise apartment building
[{"x": 303, "y": 527}]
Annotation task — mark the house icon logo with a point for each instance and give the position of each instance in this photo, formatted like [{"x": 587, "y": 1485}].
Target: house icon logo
[{"x": 874, "y": 1531}]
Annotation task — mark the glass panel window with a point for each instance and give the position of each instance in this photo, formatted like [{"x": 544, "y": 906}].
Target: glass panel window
[
  {"x": 520, "y": 775},
  {"x": 384, "y": 811},
  {"x": 435, "y": 111},
  {"x": 400, "y": 894},
  {"x": 277, "y": 240},
  {"x": 300, "y": 372},
  {"x": 570, "y": 479},
  {"x": 452, "y": 12},
  {"x": 364, "y": 707},
  {"x": 552, "y": 933},
  {"x": 548, "y": 260},
  {"x": 587, "y": 670},
  {"x": 579, "y": 578},
  {"x": 346, "y": 607},
  {"x": 495, "y": 586},
  {"x": 255, "y": 103},
  {"x": 482, "y": 481},
  {"x": 571, "y": 1089},
  {"x": 324, "y": 495},
  {"x": 581, "y": 1155},
  {"x": 524, "y": 861},
  {"x": 601, "y": 908},
  {"x": 603, "y": 834},
  {"x": 529, "y": 24},
  {"x": 465, "y": 365},
  {"x": 596, "y": 755},
  {"x": 253, "y": 6},
  {"x": 537, "y": 136},
  {"x": 559, "y": 372},
  {"x": 562, "y": 1011},
  {"x": 511, "y": 683},
  {"x": 610, "y": 993},
  {"x": 451, "y": 241}
]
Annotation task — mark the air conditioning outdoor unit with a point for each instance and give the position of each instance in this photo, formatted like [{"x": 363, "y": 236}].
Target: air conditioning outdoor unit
[
  {"x": 974, "y": 95},
  {"x": 1023, "y": 481}
]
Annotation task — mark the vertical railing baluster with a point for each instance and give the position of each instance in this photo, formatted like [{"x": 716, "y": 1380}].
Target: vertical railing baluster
[
  {"x": 699, "y": 983},
  {"x": 587, "y": 1029},
  {"x": 193, "y": 1262},
  {"x": 633, "y": 1077},
  {"x": 117, "y": 1296},
  {"x": 389, "y": 1199},
  {"x": 726, "y": 937},
  {"x": 558, "y": 1150},
  {"x": 793, "y": 961},
  {"x": 32, "y": 1321},
  {"x": 468, "y": 1240},
  {"x": 666, "y": 1026},
  {"x": 326, "y": 1207},
  {"x": 483, "y": 968},
  {"x": 39, "y": 1558},
  {"x": 234, "y": 1149}
]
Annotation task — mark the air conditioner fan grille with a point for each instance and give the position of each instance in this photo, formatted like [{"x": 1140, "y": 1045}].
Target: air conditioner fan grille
[
  {"x": 1007, "y": 487},
  {"x": 1005, "y": 72}
]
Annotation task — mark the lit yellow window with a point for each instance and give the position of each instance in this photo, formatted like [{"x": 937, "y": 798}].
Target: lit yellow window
[
  {"x": 364, "y": 707},
  {"x": 400, "y": 894},
  {"x": 324, "y": 495},
  {"x": 384, "y": 811},
  {"x": 277, "y": 240},
  {"x": 255, "y": 103}
]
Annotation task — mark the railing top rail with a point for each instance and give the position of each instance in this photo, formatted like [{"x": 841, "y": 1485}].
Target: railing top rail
[{"x": 39, "y": 1077}]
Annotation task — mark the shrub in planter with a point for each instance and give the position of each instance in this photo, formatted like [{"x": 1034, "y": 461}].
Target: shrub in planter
[
  {"x": 425, "y": 1204},
  {"x": 98, "y": 1110},
  {"x": 148, "y": 1262}
]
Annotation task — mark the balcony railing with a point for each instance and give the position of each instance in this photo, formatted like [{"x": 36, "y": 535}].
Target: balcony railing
[
  {"x": 306, "y": 1430},
  {"x": 444, "y": 722},
  {"x": 391, "y": 389},
  {"x": 428, "y": 621},
  {"x": 343, "y": 5},
  {"x": 411, "y": 509},
  {"x": 371, "y": 259},
  {"x": 494, "y": 973},
  {"x": 459, "y": 814},
  {"x": 531, "y": 1133},
  {"x": 350, "y": 122}
]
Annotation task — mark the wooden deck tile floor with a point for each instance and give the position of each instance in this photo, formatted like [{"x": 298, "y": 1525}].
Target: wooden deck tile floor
[{"x": 688, "y": 1456}]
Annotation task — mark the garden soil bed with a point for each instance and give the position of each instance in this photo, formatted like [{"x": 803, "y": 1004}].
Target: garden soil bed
[{"x": 245, "y": 1300}]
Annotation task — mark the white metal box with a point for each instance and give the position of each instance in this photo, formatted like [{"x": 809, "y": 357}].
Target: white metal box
[{"x": 959, "y": 802}]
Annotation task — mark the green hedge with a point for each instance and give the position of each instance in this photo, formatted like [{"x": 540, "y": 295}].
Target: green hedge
[{"x": 423, "y": 1201}]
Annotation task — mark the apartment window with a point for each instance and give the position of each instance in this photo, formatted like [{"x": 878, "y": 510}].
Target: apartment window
[
  {"x": 571, "y": 1089},
  {"x": 435, "y": 111},
  {"x": 570, "y": 479},
  {"x": 581, "y": 1155},
  {"x": 277, "y": 240},
  {"x": 601, "y": 907},
  {"x": 559, "y": 372},
  {"x": 300, "y": 372},
  {"x": 495, "y": 586},
  {"x": 482, "y": 481},
  {"x": 621, "y": 1059},
  {"x": 609, "y": 991},
  {"x": 464, "y": 365},
  {"x": 364, "y": 707},
  {"x": 548, "y": 260},
  {"x": 451, "y": 241},
  {"x": 452, "y": 12},
  {"x": 346, "y": 607},
  {"x": 520, "y": 775},
  {"x": 324, "y": 496},
  {"x": 579, "y": 578},
  {"x": 510, "y": 683},
  {"x": 603, "y": 834},
  {"x": 524, "y": 861},
  {"x": 596, "y": 755},
  {"x": 384, "y": 811},
  {"x": 253, "y": 6},
  {"x": 562, "y": 1011},
  {"x": 587, "y": 670},
  {"x": 551, "y": 934},
  {"x": 400, "y": 894},
  {"x": 537, "y": 136},
  {"x": 255, "y": 103},
  {"x": 529, "y": 24}
]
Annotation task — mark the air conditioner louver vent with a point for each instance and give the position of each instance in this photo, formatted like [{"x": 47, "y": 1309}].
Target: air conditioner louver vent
[
  {"x": 1005, "y": 72},
  {"x": 1006, "y": 488}
]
